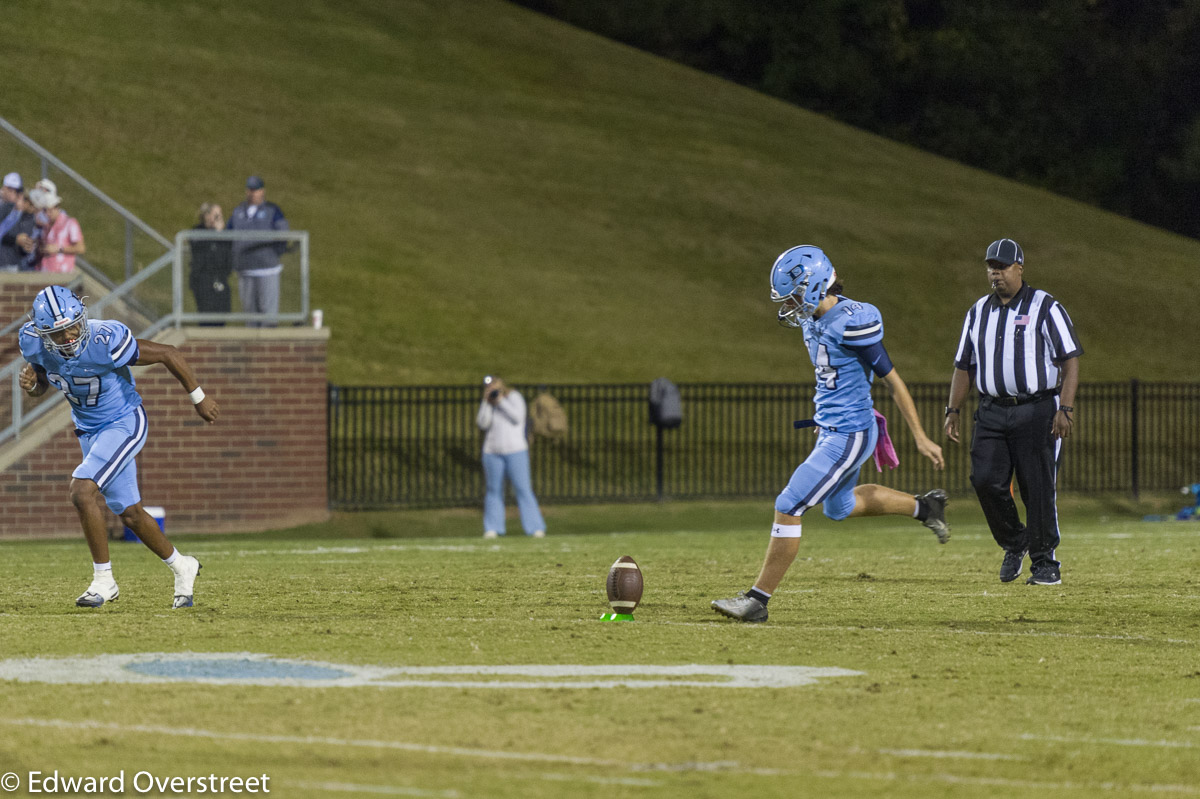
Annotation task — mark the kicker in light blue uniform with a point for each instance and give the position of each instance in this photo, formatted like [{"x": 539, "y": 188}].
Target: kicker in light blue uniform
[
  {"x": 844, "y": 339},
  {"x": 835, "y": 343},
  {"x": 89, "y": 361}
]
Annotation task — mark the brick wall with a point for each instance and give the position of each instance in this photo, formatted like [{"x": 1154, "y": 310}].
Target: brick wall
[{"x": 261, "y": 466}]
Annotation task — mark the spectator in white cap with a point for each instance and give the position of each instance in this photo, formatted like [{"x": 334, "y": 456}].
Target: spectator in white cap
[
  {"x": 11, "y": 187},
  {"x": 62, "y": 238},
  {"x": 10, "y": 214}
]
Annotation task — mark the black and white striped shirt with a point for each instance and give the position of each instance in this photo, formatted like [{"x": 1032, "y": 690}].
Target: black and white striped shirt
[{"x": 1014, "y": 347}]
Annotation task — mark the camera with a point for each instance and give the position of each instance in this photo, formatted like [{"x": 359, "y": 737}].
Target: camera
[{"x": 495, "y": 392}]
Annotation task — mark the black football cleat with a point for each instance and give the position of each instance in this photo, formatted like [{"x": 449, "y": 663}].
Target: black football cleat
[{"x": 936, "y": 501}]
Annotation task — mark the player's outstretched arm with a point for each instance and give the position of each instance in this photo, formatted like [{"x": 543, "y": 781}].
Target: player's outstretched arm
[
  {"x": 908, "y": 410},
  {"x": 151, "y": 352}
]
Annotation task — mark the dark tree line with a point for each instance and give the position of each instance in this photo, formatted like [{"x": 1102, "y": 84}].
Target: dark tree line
[{"x": 1094, "y": 99}]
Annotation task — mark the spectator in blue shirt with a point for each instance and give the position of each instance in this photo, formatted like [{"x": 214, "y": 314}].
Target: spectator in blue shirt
[{"x": 257, "y": 262}]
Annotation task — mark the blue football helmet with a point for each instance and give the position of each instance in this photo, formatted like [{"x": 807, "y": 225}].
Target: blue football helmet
[
  {"x": 800, "y": 279},
  {"x": 60, "y": 319}
]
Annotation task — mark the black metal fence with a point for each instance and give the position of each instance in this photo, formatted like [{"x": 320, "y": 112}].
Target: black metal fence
[{"x": 417, "y": 446}]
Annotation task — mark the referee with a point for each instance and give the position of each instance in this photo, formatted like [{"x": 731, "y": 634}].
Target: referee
[{"x": 1022, "y": 348}]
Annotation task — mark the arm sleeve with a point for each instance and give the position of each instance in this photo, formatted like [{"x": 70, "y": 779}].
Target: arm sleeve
[
  {"x": 964, "y": 356},
  {"x": 874, "y": 357},
  {"x": 122, "y": 346},
  {"x": 512, "y": 407},
  {"x": 483, "y": 419},
  {"x": 30, "y": 343}
]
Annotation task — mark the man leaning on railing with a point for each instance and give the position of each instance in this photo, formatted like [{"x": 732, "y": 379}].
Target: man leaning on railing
[{"x": 257, "y": 262}]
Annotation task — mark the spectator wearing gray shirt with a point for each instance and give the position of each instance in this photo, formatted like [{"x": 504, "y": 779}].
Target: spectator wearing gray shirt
[{"x": 257, "y": 262}]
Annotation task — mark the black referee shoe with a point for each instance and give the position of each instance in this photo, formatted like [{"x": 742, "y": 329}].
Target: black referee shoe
[
  {"x": 1010, "y": 567},
  {"x": 1044, "y": 574}
]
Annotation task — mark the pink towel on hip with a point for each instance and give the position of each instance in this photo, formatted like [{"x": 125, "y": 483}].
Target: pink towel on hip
[{"x": 885, "y": 453}]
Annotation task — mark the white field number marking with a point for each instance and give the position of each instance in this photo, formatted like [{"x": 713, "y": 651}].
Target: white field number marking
[{"x": 222, "y": 668}]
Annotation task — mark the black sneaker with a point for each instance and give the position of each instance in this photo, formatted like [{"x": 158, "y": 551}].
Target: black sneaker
[
  {"x": 936, "y": 501},
  {"x": 1010, "y": 567},
  {"x": 742, "y": 608},
  {"x": 1044, "y": 574}
]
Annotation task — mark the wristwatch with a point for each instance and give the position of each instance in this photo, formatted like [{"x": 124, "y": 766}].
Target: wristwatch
[{"x": 950, "y": 410}]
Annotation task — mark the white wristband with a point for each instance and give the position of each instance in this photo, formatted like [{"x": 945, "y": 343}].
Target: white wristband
[{"x": 197, "y": 396}]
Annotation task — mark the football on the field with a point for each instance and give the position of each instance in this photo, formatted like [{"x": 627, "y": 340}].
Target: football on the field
[{"x": 624, "y": 585}]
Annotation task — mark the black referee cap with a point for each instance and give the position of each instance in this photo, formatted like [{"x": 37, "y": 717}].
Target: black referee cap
[{"x": 1006, "y": 251}]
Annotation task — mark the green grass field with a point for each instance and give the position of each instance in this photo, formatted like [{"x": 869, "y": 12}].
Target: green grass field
[
  {"x": 490, "y": 190},
  {"x": 968, "y": 688}
]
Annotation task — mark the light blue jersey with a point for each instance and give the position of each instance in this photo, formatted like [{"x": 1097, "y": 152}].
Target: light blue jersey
[
  {"x": 843, "y": 397},
  {"x": 97, "y": 381}
]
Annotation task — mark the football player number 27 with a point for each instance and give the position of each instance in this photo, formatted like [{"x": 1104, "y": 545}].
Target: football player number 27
[
  {"x": 93, "y": 389},
  {"x": 825, "y": 373}
]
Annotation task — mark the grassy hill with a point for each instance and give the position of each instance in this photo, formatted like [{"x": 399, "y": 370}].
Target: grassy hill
[{"x": 489, "y": 190}]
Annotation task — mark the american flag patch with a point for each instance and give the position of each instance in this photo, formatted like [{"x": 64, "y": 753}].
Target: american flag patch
[{"x": 1021, "y": 320}]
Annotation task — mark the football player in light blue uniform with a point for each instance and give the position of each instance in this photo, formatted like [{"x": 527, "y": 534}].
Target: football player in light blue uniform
[
  {"x": 89, "y": 363},
  {"x": 845, "y": 344}
]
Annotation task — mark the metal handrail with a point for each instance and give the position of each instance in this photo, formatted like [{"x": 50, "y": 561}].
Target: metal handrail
[
  {"x": 299, "y": 237},
  {"x": 19, "y": 418},
  {"x": 47, "y": 156},
  {"x": 177, "y": 317}
]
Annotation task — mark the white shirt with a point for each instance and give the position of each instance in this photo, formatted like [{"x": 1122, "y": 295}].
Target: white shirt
[{"x": 504, "y": 424}]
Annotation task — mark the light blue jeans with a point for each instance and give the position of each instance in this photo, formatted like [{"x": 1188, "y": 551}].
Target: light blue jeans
[{"x": 516, "y": 468}]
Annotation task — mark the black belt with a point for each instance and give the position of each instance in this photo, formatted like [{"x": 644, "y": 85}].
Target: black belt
[
  {"x": 1023, "y": 399},
  {"x": 800, "y": 424}
]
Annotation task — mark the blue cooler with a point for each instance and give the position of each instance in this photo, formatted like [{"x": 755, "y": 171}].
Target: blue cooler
[{"x": 158, "y": 514}]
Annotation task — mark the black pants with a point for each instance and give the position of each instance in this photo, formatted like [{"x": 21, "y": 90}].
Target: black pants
[{"x": 1010, "y": 439}]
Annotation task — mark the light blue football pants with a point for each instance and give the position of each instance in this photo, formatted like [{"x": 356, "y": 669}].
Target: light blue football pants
[
  {"x": 829, "y": 475},
  {"x": 516, "y": 467},
  {"x": 109, "y": 459}
]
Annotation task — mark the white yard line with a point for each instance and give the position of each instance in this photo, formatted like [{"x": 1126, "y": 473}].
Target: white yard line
[
  {"x": 471, "y": 545},
  {"x": 635, "y": 782},
  {"x": 387, "y": 790},
  {"x": 937, "y": 753},
  {"x": 362, "y": 743},
  {"x": 1002, "y": 782},
  {"x": 726, "y": 767},
  {"x": 1084, "y": 739},
  {"x": 790, "y": 630}
]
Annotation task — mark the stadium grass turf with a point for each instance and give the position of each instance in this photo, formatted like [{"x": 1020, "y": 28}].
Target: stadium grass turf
[
  {"x": 969, "y": 687},
  {"x": 474, "y": 174}
]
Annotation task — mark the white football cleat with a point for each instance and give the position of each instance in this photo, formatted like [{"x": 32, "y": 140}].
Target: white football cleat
[
  {"x": 490, "y": 534},
  {"x": 103, "y": 589},
  {"x": 185, "y": 581},
  {"x": 538, "y": 534}
]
